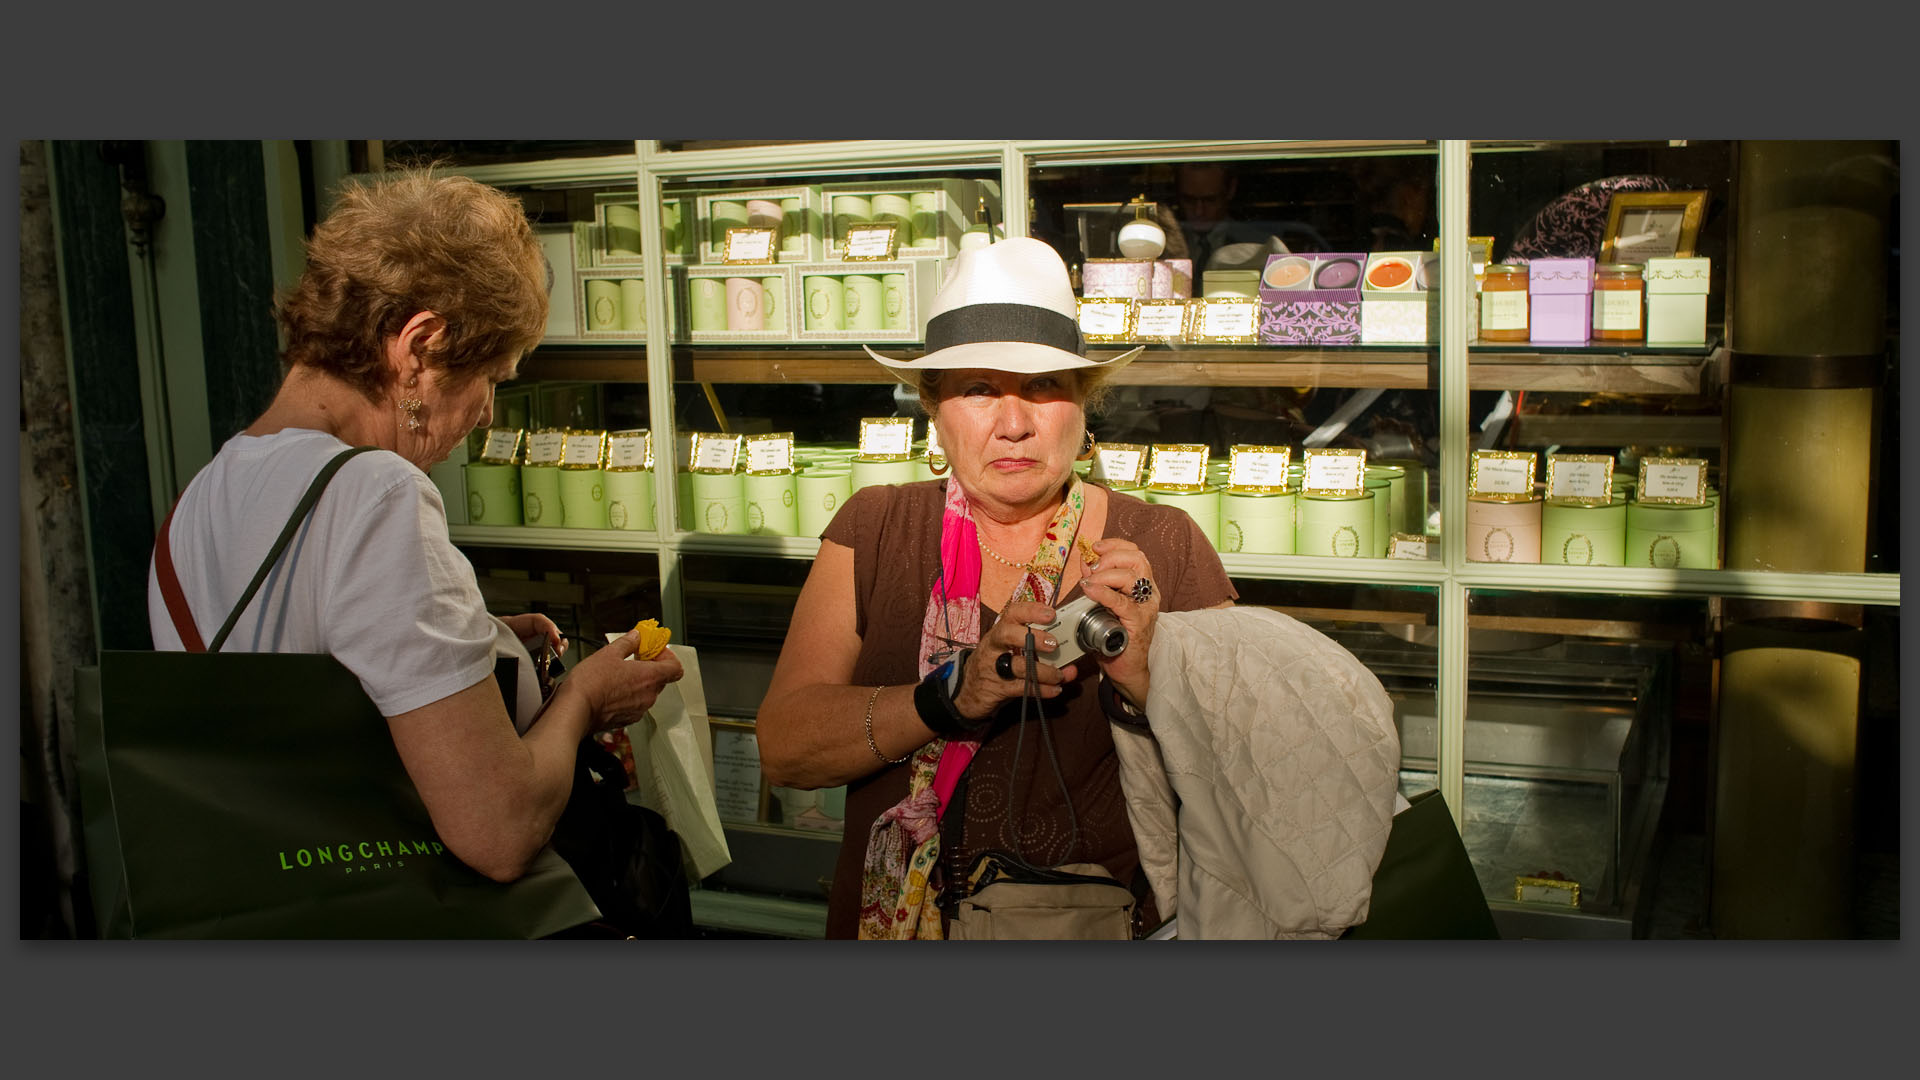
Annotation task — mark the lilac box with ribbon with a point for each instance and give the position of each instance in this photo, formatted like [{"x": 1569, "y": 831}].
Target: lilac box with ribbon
[
  {"x": 1560, "y": 295},
  {"x": 1311, "y": 299}
]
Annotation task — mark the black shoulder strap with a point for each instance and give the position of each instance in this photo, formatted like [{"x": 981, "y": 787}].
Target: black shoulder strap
[{"x": 300, "y": 513}]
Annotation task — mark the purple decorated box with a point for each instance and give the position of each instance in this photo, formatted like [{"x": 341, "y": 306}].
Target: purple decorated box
[
  {"x": 1173, "y": 279},
  {"x": 1311, "y": 299},
  {"x": 1560, "y": 296}
]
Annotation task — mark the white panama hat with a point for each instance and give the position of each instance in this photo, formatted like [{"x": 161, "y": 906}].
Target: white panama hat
[{"x": 1008, "y": 306}]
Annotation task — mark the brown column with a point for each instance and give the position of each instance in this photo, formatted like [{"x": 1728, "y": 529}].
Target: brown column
[{"x": 1807, "y": 328}]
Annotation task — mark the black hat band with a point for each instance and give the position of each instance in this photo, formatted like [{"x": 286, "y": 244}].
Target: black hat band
[{"x": 1004, "y": 323}]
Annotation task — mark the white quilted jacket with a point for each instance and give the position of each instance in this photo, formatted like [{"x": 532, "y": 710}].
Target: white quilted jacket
[{"x": 1282, "y": 750}]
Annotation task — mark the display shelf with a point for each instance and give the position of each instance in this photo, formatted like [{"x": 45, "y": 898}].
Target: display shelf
[
  {"x": 1755, "y": 584},
  {"x": 1385, "y": 367},
  {"x": 534, "y": 536},
  {"x": 752, "y": 913}
]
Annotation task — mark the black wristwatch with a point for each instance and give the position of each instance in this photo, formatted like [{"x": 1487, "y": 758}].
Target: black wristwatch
[
  {"x": 1117, "y": 707},
  {"x": 933, "y": 700}
]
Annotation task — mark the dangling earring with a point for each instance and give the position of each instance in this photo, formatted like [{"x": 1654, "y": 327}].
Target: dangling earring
[
  {"x": 1086, "y": 447},
  {"x": 939, "y": 470},
  {"x": 411, "y": 406}
]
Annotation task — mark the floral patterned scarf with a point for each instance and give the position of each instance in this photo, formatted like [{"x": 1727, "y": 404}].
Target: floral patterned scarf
[{"x": 897, "y": 898}]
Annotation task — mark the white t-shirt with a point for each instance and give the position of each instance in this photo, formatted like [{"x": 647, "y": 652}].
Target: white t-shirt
[{"x": 370, "y": 577}]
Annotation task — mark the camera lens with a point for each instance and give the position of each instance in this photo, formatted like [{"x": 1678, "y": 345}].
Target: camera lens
[{"x": 1100, "y": 632}]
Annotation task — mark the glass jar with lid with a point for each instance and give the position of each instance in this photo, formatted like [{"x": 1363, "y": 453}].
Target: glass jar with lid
[
  {"x": 1503, "y": 303},
  {"x": 1619, "y": 292}
]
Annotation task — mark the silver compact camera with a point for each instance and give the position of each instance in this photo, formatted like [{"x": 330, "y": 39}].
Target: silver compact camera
[{"x": 1083, "y": 627}]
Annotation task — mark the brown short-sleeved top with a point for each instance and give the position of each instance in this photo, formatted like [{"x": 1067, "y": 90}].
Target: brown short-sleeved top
[{"x": 894, "y": 532}]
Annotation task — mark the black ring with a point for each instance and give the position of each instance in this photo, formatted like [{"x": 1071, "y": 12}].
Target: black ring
[
  {"x": 1003, "y": 667},
  {"x": 1142, "y": 591}
]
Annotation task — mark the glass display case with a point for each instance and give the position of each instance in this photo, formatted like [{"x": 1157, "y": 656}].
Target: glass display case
[{"x": 1311, "y": 297}]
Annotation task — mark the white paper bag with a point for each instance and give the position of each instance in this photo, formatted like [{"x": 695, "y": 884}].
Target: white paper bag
[{"x": 673, "y": 763}]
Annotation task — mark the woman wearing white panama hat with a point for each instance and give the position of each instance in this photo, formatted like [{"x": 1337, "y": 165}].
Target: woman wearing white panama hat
[{"x": 904, "y": 670}]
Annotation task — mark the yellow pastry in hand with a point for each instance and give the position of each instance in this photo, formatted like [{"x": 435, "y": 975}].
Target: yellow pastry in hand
[{"x": 653, "y": 638}]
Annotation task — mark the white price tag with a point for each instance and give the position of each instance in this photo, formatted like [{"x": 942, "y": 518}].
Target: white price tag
[
  {"x": 886, "y": 436},
  {"x": 1679, "y": 481},
  {"x": 770, "y": 453},
  {"x": 716, "y": 453},
  {"x": 1118, "y": 464},
  {"x": 1164, "y": 320},
  {"x": 583, "y": 448},
  {"x": 1497, "y": 473},
  {"x": 1233, "y": 319},
  {"x": 502, "y": 444},
  {"x": 749, "y": 247},
  {"x": 545, "y": 447},
  {"x": 1407, "y": 546},
  {"x": 1262, "y": 467},
  {"x": 1334, "y": 472},
  {"x": 630, "y": 450},
  {"x": 1104, "y": 318},
  {"x": 870, "y": 242},
  {"x": 1586, "y": 478},
  {"x": 1178, "y": 466}
]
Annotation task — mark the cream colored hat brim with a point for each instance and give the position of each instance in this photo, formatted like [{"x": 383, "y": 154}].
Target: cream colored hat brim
[{"x": 1021, "y": 357}]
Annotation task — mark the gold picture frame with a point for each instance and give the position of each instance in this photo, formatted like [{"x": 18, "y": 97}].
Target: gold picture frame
[
  {"x": 1114, "y": 313},
  {"x": 1246, "y": 331},
  {"x": 874, "y": 241},
  {"x": 1601, "y": 461},
  {"x": 1652, "y": 224},
  {"x": 1149, "y": 314},
  {"x": 751, "y": 247},
  {"x": 1476, "y": 490}
]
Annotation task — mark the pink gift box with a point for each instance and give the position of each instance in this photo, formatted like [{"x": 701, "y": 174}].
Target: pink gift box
[
  {"x": 1560, "y": 296},
  {"x": 1173, "y": 279},
  {"x": 1131, "y": 279}
]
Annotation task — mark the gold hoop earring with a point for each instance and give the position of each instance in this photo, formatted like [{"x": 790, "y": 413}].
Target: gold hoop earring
[{"x": 941, "y": 470}]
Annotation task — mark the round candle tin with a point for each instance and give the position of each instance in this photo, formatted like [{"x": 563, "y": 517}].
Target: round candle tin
[
  {"x": 629, "y": 499},
  {"x": 493, "y": 494},
  {"x": 1203, "y": 506},
  {"x": 1337, "y": 527},
  {"x": 540, "y": 496},
  {"x": 1576, "y": 535},
  {"x": 1666, "y": 537},
  {"x": 1504, "y": 531},
  {"x": 1258, "y": 523},
  {"x": 772, "y": 505},
  {"x": 583, "y": 499},
  {"x": 719, "y": 503}
]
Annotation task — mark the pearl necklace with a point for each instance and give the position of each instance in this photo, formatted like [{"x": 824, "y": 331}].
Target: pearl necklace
[{"x": 1002, "y": 559}]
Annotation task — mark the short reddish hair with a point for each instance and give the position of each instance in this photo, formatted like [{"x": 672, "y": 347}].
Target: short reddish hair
[{"x": 409, "y": 242}]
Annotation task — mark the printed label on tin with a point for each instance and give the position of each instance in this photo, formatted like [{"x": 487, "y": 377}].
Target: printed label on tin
[
  {"x": 545, "y": 447},
  {"x": 630, "y": 450}
]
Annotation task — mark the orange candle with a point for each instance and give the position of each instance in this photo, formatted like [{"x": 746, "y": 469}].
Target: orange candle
[{"x": 1503, "y": 303}]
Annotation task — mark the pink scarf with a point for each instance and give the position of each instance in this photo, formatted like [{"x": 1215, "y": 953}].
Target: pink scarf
[{"x": 897, "y": 900}]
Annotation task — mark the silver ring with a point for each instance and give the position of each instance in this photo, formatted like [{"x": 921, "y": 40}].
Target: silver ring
[
  {"x": 1003, "y": 667},
  {"x": 1142, "y": 591}
]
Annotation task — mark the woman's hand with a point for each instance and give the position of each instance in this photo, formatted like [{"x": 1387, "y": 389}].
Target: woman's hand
[
  {"x": 984, "y": 690},
  {"x": 1114, "y": 582},
  {"x": 619, "y": 690},
  {"x": 536, "y": 625}
]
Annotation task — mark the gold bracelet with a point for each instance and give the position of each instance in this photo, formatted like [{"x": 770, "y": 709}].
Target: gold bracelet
[{"x": 871, "y": 745}]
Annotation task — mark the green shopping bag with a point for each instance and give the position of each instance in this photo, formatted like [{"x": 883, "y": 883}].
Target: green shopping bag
[
  {"x": 259, "y": 795},
  {"x": 1425, "y": 886}
]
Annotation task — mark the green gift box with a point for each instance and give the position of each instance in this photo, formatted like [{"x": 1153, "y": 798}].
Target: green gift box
[
  {"x": 1258, "y": 523},
  {"x": 583, "y": 499},
  {"x": 1339, "y": 527},
  {"x": 540, "y": 496},
  {"x": 820, "y": 492},
  {"x": 719, "y": 503},
  {"x": 868, "y": 473},
  {"x": 772, "y": 504},
  {"x": 629, "y": 499},
  {"x": 493, "y": 494},
  {"x": 1575, "y": 535},
  {"x": 1673, "y": 536},
  {"x": 1202, "y": 506}
]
